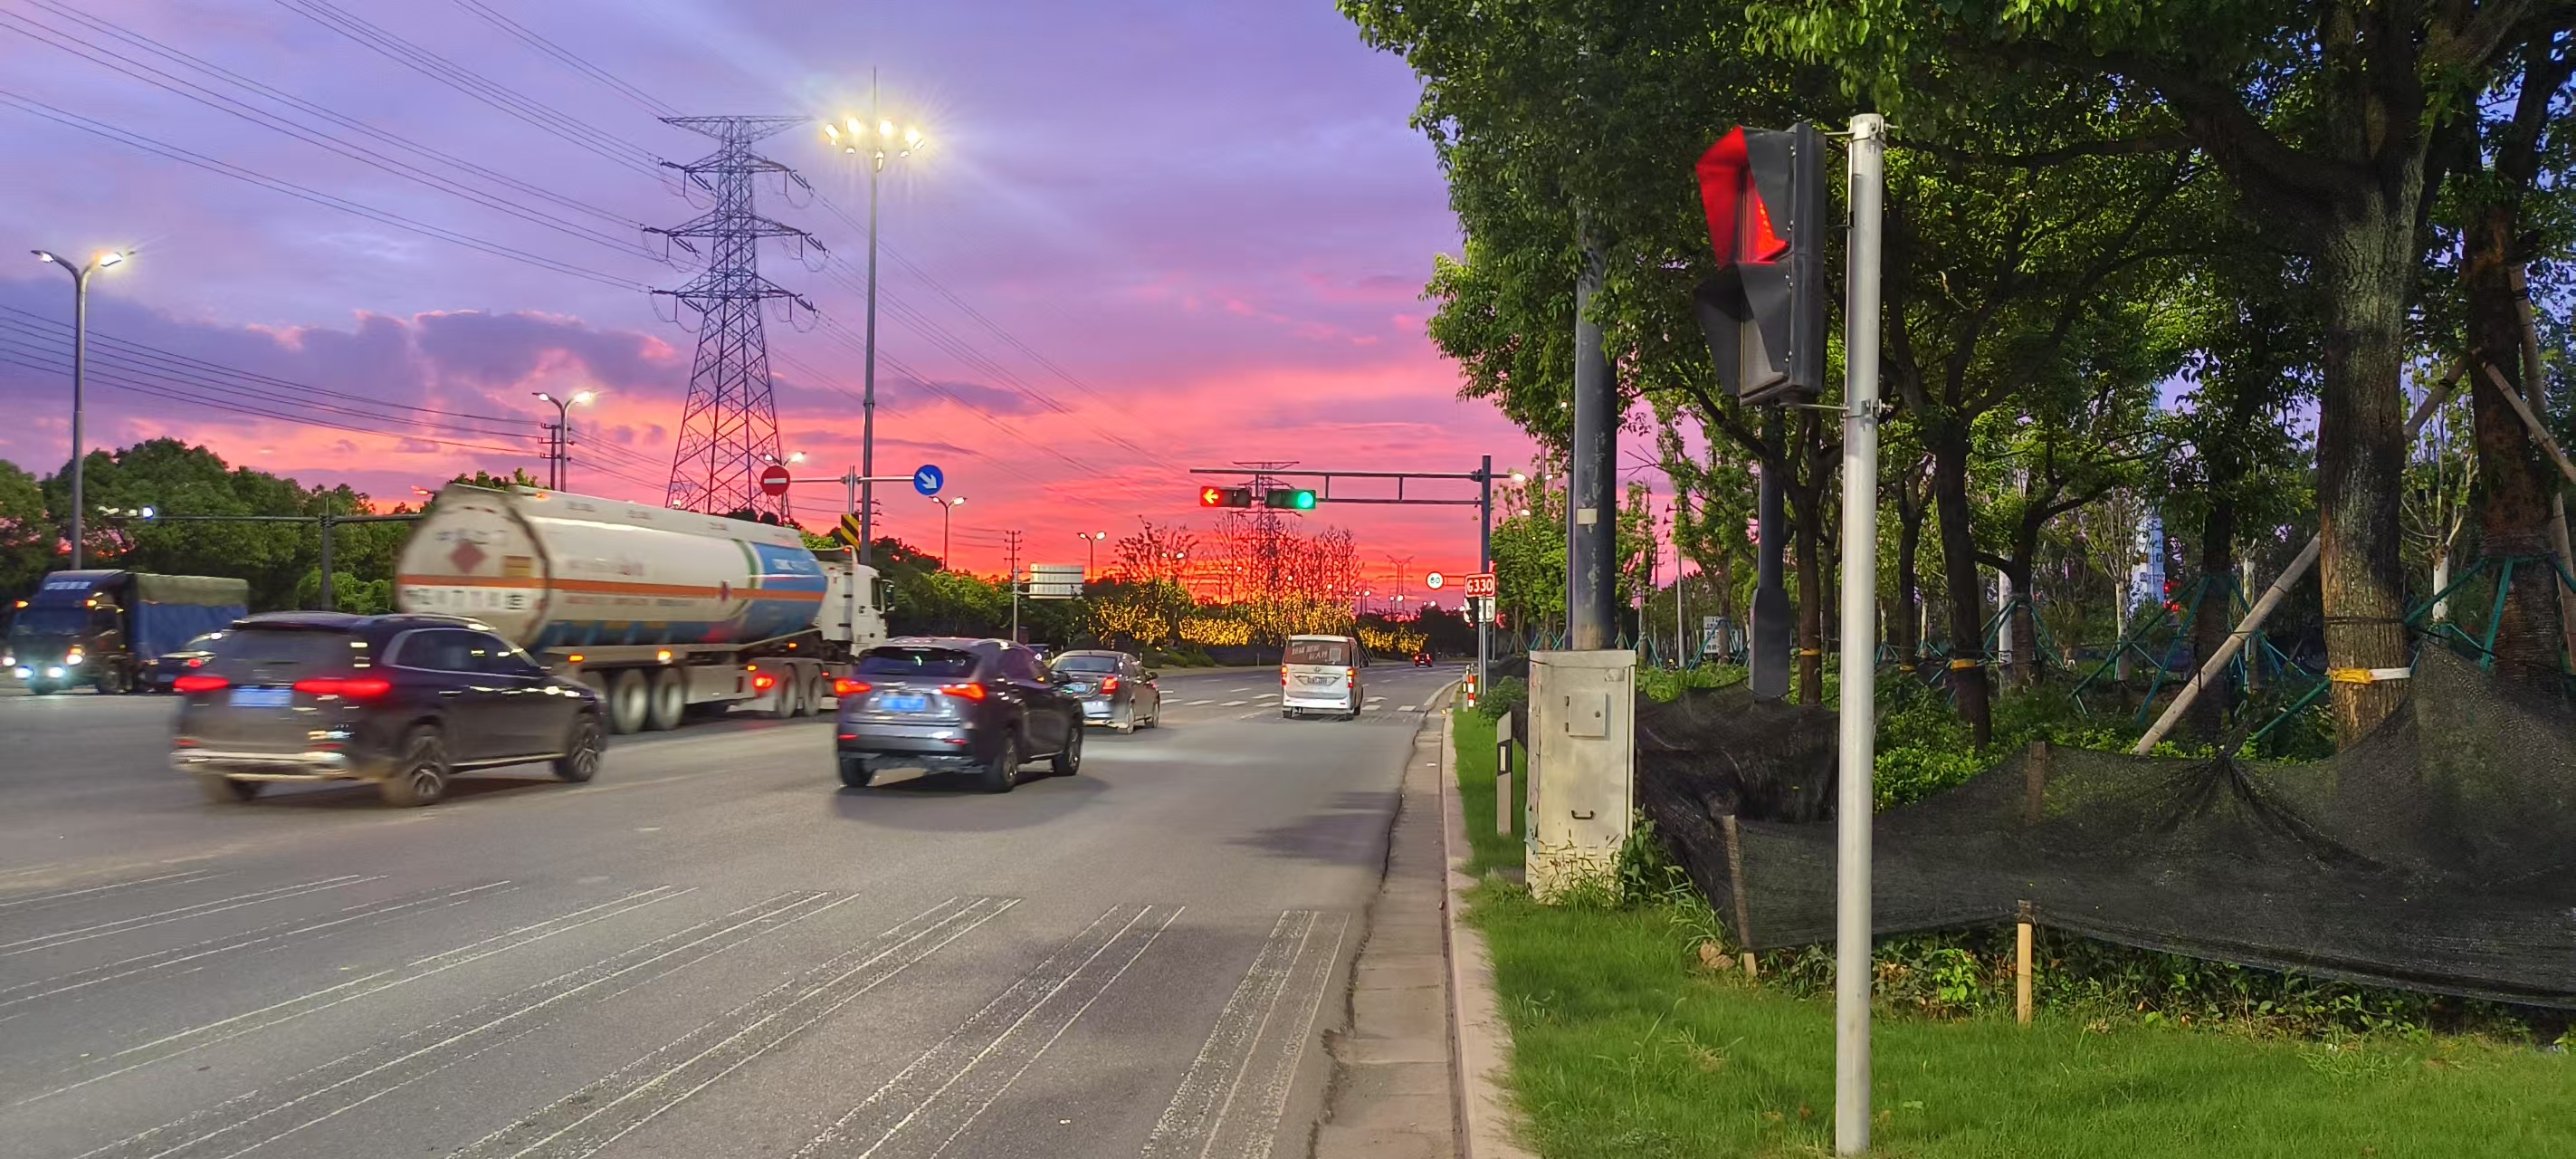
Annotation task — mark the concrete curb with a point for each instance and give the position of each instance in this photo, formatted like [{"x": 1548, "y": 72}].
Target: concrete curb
[{"x": 1481, "y": 1042}]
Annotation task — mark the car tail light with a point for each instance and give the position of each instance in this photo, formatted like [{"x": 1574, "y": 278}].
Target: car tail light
[
  {"x": 1109, "y": 685},
  {"x": 1283, "y": 676},
  {"x": 1350, "y": 675},
  {"x": 845, "y": 686},
  {"x": 965, "y": 691},
  {"x": 763, "y": 682},
  {"x": 199, "y": 684},
  {"x": 350, "y": 687},
  {"x": 196, "y": 661}
]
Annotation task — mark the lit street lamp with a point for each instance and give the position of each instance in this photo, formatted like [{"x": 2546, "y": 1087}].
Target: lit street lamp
[
  {"x": 1091, "y": 545},
  {"x": 559, "y": 456},
  {"x": 947, "y": 507},
  {"x": 80, "y": 370},
  {"x": 876, "y": 144}
]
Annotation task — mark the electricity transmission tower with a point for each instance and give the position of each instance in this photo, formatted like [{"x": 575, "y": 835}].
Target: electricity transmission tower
[{"x": 729, "y": 426}]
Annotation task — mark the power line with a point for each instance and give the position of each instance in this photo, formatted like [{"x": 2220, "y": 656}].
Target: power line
[
  {"x": 568, "y": 57},
  {"x": 254, "y": 177},
  {"x": 323, "y": 112},
  {"x": 114, "y": 380},
  {"x": 581, "y": 134}
]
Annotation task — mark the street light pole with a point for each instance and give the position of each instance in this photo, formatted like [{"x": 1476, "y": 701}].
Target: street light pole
[
  {"x": 947, "y": 507},
  {"x": 1091, "y": 551},
  {"x": 80, "y": 373},
  {"x": 876, "y": 137}
]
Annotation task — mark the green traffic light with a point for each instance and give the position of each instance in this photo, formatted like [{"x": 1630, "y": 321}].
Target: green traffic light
[{"x": 1303, "y": 500}]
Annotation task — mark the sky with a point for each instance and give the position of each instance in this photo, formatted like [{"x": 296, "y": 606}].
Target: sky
[{"x": 1143, "y": 238}]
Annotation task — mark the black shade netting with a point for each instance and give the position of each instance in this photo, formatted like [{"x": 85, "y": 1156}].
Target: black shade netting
[{"x": 2439, "y": 854}]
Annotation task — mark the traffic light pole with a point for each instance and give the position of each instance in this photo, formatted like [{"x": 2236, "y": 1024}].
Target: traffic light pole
[
  {"x": 1854, "y": 803},
  {"x": 1483, "y": 476}
]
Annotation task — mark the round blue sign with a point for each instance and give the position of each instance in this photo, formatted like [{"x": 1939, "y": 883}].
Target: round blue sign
[{"x": 927, "y": 479}]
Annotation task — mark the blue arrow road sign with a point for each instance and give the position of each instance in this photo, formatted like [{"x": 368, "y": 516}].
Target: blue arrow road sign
[{"x": 927, "y": 479}]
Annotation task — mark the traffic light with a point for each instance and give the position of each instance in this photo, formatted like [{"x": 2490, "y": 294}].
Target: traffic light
[
  {"x": 1225, "y": 496},
  {"x": 1286, "y": 500},
  {"x": 1764, "y": 312}
]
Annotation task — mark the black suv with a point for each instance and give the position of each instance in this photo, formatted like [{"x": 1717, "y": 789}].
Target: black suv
[
  {"x": 403, "y": 701},
  {"x": 950, "y": 705}
]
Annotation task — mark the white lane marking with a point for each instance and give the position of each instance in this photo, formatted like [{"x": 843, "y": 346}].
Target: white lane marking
[
  {"x": 1008, "y": 1034},
  {"x": 173, "y": 1045},
  {"x": 276, "y": 933},
  {"x": 1233, "y": 704},
  {"x": 1196, "y": 703},
  {"x": 427, "y": 1051},
  {"x": 219, "y": 905},
  {"x": 1246, "y": 688},
  {"x": 1263, "y": 1084},
  {"x": 1404, "y": 708},
  {"x": 60, "y": 894},
  {"x": 671, "y": 1075},
  {"x": 1198, "y": 1108}
]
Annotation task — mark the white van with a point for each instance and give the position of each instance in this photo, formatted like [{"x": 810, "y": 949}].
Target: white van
[{"x": 1321, "y": 674}]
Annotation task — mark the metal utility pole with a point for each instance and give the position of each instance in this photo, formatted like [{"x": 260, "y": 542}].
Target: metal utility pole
[
  {"x": 729, "y": 425},
  {"x": 80, "y": 374},
  {"x": 1011, "y": 539},
  {"x": 1592, "y": 491},
  {"x": 1681, "y": 620},
  {"x": 1484, "y": 564},
  {"x": 1853, "y": 803},
  {"x": 559, "y": 448}
]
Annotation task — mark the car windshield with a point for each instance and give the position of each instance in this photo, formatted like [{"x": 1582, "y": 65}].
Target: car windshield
[
  {"x": 50, "y": 622},
  {"x": 1087, "y": 664},
  {"x": 281, "y": 653},
  {"x": 927, "y": 663},
  {"x": 1329, "y": 653}
]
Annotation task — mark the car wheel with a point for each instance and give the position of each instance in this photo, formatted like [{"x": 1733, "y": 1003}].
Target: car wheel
[
  {"x": 1004, "y": 772},
  {"x": 227, "y": 791},
  {"x": 670, "y": 700},
  {"x": 1125, "y": 720},
  {"x": 580, "y": 761},
  {"x": 1069, "y": 762},
  {"x": 855, "y": 772},
  {"x": 630, "y": 700},
  {"x": 420, "y": 774},
  {"x": 1287, "y": 714}
]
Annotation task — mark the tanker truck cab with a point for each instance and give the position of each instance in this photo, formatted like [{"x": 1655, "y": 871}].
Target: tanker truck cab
[{"x": 666, "y": 614}]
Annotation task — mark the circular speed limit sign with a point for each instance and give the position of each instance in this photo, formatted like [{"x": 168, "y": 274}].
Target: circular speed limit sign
[{"x": 1434, "y": 580}]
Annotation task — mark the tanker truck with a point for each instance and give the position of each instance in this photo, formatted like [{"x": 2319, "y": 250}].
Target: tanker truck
[{"x": 667, "y": 614}]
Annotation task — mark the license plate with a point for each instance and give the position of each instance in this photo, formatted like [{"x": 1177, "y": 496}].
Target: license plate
[
  {"x": 904, "y": 703},
  {"x": 263, "y": 697}
]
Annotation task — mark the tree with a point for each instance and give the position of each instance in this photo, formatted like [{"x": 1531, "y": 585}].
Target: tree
[
  {"x": 518, "y": 477},
  {"x": 29, "y": 538},
  {"x": 2322, "y": 116}
]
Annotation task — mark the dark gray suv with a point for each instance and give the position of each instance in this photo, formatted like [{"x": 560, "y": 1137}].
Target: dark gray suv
[{"x": 985, "y": 707}]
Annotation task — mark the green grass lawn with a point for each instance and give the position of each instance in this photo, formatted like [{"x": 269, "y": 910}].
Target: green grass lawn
[{"x": 1623, "y": 1047}]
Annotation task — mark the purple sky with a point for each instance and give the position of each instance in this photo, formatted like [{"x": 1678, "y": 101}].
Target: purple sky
[{"x": 1210, "y": 223}]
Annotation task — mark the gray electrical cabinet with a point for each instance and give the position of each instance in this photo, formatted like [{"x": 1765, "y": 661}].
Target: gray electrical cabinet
[{"x": 1582, "y": 745}]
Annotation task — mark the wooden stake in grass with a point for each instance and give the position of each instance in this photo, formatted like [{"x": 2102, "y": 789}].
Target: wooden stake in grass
[
  {"x": 1735, "y": 884},
  {"x": 2021, "y": 967}
]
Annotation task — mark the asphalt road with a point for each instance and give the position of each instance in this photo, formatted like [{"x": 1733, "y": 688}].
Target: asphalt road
[{"x": 712, "y": 950}]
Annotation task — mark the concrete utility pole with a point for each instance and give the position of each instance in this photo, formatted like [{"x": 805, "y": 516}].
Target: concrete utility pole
[
  {"x": 1485, "y": 565},
  {"x": 1853, "y": 800},
  {"x": 1592, "y": 491},
  {"x": 1011, "y": 539},
  {"x": 80, "y": 374},
  {"x": 559, "y": 454}
]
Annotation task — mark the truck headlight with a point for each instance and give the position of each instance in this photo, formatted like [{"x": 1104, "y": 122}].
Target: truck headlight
[
  {"x": 55, "y": 672},
  {"x": 73, "y": 660},
  {"x": 24, "y": 673}
]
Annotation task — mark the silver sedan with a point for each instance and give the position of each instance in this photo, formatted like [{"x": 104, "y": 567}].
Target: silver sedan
[{"x": 1114, "y": 688}]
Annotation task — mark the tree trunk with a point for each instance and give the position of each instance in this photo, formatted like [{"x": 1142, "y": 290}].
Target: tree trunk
[
  {"x": 2366, "y": 271},
  {"x": 2213, "y": 613},
  {"x": 1903, "y": 623},
  {"x": 2515, "y": 477},
  {"x": 1967, "y": 674}
]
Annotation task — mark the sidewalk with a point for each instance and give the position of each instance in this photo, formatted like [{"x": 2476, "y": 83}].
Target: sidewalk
[{"x": 1394, "y": 1092}]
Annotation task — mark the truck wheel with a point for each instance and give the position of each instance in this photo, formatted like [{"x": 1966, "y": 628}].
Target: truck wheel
[
  {"x": 580, "y": 761},
  {"x": 630, "y": 700},
  {"x": 112, "y": 682},
  {"x": 816, "y": 689},
  {"x": 1004, "y": 772},
  {"x": 227, "y": 791},
  {"x": 782, "y": 704},
  {"x": 420, "y": 774},
  {"x": 670, "y": 700}
]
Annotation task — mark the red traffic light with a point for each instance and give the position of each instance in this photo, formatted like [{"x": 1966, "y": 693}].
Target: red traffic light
[
  {"x": 1225, "y": 496},
  {"x": 1764, "y": 311}
]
